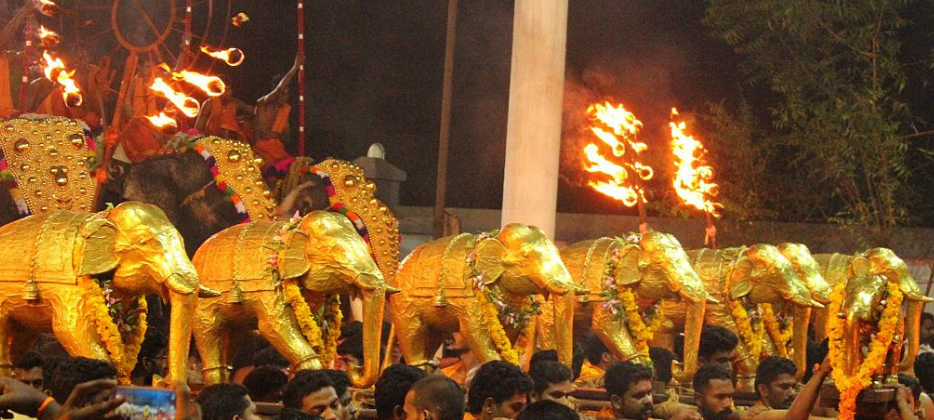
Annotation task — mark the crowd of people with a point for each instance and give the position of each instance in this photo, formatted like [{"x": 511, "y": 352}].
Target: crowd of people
[{"x": 76, "y": 388}]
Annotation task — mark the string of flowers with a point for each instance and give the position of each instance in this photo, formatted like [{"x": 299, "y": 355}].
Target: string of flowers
[
  {"x": 780, "y": 335},
  {"x": 496, "y": 311},
  {"x": 621, "y": 302},
  {"x": 103, "y": 308},
  {"x": 851, "y": 386},
  {"x": 752, "y": 337}
]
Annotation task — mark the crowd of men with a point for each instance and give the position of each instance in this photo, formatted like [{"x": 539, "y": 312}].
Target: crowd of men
[{"x": 75, "y": 388}]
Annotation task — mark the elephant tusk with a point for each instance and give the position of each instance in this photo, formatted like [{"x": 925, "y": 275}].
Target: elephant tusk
[
  {"x": 207, "y": 292},
  {"x": 392, "y": 290}
]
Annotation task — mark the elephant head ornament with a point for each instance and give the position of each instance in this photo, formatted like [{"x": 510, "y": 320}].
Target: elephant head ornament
[
  {"x": 46, "y": 256},
  {"x": 439, "y": 282},
  {"x": 251, "y": 264},
  {"x": 810, "y": 274}
]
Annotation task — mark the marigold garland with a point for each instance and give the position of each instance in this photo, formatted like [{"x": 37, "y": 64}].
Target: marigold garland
[
  {"x": 752, "y": 337},
  {"x": 641, "y": 333},
  {"x": 122, "y": 355},
  {"x": 851, "y": 386},
  {"x": 780, "y": 336},
  {"x": 308, "y": 324}
]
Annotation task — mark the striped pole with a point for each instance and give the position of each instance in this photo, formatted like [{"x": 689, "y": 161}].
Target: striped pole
[
  {"x": 301, "y": 79},
  {"x": 29, "y": 30}
]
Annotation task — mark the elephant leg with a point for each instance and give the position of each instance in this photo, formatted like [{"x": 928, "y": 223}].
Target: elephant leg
[
  {"x": 75, "y": 331},
  {"x": 413, "y": 335},
  {"x": 477, "y": 335},
  {"x": 744, "y": 368},
  {"x": 278, "y": 325},
  {"x": 611, "y": 330},
  {"x": 211, "y": 340}
]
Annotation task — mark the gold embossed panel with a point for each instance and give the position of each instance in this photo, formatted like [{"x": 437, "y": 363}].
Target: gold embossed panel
[
  {"x": 419, "y": 275},
  {"x": 50, "y": 161},
  {"x": 240, "y": 252},
  {"x": 42, "y": 247},
  {"x": 239, "y": 169}
]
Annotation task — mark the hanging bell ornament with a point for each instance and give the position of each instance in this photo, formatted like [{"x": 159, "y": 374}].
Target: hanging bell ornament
[
  {"x": 31, "y": 291},
  {"x": 235, "y": 294}
]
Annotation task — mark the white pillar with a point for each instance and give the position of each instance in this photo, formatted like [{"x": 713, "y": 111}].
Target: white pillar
[{"x": 533, "y": 133}]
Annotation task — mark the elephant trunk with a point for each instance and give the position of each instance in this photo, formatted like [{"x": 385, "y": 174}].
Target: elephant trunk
[
  {"x": 912, "y": 333},
  {"x": 563, "y": 326},
  {"x": 802, "y": 317},
  {"x": 373, "y": 303},
  {"x": 851, "y": 342},
  {"x": 694, "y": 322},
  {"x": 819, "y": 319},
  {"x": 183, "y": 310}
]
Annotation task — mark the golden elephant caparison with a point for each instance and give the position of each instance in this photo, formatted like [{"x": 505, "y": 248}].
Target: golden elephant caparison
[
  {"x": 653, "y": 267},
  {"x": 254, "y": 264},
  {"x": 440, "y": 281},
  {"x": 47, "y": 259}
]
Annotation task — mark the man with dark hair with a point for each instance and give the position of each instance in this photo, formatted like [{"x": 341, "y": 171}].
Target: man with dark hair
[
  {"x": 434, "y": 398},
  {"x": 350, "y": 349},
  {"x": 926, "y": 331},
  {"x": 713, "y": 391},
  {"x": 661, "y": 361},
  {"x": 269, "y": 356},
  {"x": 552, "y": 382},
  {"x": 577, "y": 362},
  {"x": 75, "y": 370},
  {"x": 629, "y": 386},
  {"x": 597, "y": 358},
  {"x": 30, "y": 370},
  {"x": 312, "y": 391},
  {"x": 226, "y": 402},
  {"x": 391, "y": 388},
  {"x": 342, "y": 388},
  {"x": 717, "y": 346},
  {"x": 547, "y": 410},
  {"x": 265, "y": 384},
  {"x": 499, "y": 389},
  {"x": 924, "y": 370},
  {"x": 775, "y": 383}
]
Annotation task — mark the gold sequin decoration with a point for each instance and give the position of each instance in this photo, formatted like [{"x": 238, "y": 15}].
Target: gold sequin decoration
[{"x": 237, "y": 167}]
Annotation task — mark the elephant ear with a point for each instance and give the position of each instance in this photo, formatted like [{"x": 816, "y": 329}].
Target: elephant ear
[
  {"x": 742, "y": 274},
  {"x": 632, "y": 260},
  {"x": 98, "y": 255},
  {"x": 293, "y": 261},
  {"x": 490, "y": 254},
  {"x": 860, "y": 266}
]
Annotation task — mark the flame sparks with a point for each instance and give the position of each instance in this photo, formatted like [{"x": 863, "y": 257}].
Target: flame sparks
[
  {"x": 187, "y": 105},
  {"x": 693, "y": 179},
  {"x": 47, "y": 38},
  {"x": 47, "y": 7},
  {"x": 55, "y": 71},
  {"x": 617, "y": 128},
  {"x": 239, "y": 19},
  {"x": 162, "y": 120},
  {"x": 211, "y": 85},
  {"x": 232, "y": 56}
]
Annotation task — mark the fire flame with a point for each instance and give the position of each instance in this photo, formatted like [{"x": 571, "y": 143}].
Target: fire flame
[
  {"x": 617, "y": 128},
  {"x": 239, "y": 19},
  {"x": 47, "y": 7},
  {"x": 693, "y": 179},
  {"x": 162, "y": 120},
  {"x": 232, "y": 56},
  {"x": 186, "y": 104},
  {"x": 47, "y": 38},
  {"x": 56, "y": 72},
  {"x": 211, "y": 85}
]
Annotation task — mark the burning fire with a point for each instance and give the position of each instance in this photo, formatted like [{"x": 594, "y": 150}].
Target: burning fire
[
  {"x": 693, "y": 179},
  {"x": 232, "y": 56},
  {"x": 239, "y": 19},
  {"x": 211, "y": 85},
  {"x": 47, "y": 7},
  {"x": 56, "y": 72},
  {"x": 617, "y": 128},
  {"x": 47, "y": 38},
  {"x": 186, "y": 104},
  {"x": 162, "y": 120}
]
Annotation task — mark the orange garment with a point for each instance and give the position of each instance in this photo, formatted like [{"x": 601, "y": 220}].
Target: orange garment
[
  {"x": 591, "y": 376},
  {"x": 140, "y": 140},
  {"x": 223, "y": 118},
  {"x": 6, "y": 90},
  {"x": 282, "y": 119},
  {"x": 468, "y": 416},
  {"x": 271, "y": 150},
  {"x": 456, "y": 372}
]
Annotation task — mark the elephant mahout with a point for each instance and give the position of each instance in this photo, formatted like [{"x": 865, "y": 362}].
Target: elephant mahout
[
  {"x": 273, "y": 276},
  {"x": 642, "y": 271},
  {"x": 482, "y": 286},
  {"x": 52, "y": 265}
]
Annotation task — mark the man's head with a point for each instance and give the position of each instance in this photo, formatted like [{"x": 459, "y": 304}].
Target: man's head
[
  {"x": 924, "y": 370},
  {"x": 596, "y": 352},
  {"x": 914, "y": 386},
  {"x": 342, "y": 388},
  {"x": 350, "y": 349},
  {"x": 391, "y": 388},
  {"x": 30, "y": 370},
  {"x": 270, "y": 357},
  {"x": 717, "y": 346},
  {"x": 547, "y": 410},
  {"x": 630, "y": 388},
  {"x": 312, "y": 391},
  {"x": 552, "y": 382},
  {"x": 226, "y": 402},
  {"x": 713, "y": 392},
  {"x": 434, "y": 398},
  {"x": 927, "y": 328},
  {"x": 775, "y": 382},
  {"x": 265, "y": 384},
  {"x": 499, "y": 389},
  {"x": 75, "y": 370},
  {"x": 576, "y": 362},
  {"x": 661, "y": 360}
]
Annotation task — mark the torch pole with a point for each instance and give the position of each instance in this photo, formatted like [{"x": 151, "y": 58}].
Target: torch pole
[
  {"x": 710, "y": 232},
  {"x": 29, "y": 30},
  {"x": 300, "y": 16},
  {"x": 643, "y": 224}
]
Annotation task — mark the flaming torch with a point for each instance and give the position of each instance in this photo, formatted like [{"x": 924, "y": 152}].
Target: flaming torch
[
  {"x": 162, "y": 121},
  {"x": 55, "y": 71},
  {"x": 47, "y": 38},
  {"x": 693, "y": 178},
  {"x": 616, "y": 128},
  {"x": 211, "y": 85},
  {"x": 47, "y": 8},
  {"x": 232, "y": 56},
  {"x": 186, "y": 104}
]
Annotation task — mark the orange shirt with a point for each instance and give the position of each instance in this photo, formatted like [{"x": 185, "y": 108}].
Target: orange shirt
[
  {"x": 456, "y": 372},
  {"x": 591, "y": 376}
]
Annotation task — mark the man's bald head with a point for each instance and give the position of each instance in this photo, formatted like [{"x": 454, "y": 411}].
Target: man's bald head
[{"x": 439, "y": 395}]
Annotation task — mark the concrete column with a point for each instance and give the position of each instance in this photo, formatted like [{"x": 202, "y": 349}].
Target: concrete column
[{"x": 533, "y": 133}]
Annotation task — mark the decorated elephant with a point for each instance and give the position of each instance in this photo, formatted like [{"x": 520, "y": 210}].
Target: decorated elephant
[
  {"x": 625, "y": 280},
  {"x": 840, "y": 269},
  {"x": 284, "y": 279},
  {"x": 57, "y": 268},
  {"x": 741, "y": 279},
  {"x": 482, "y": 286}
]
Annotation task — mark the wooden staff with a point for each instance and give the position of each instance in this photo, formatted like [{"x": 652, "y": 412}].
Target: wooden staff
[
  {"x": 710, "y": 232},
  {"x": 300, "y": 15},
  {"x": 640, "y": 205},
  {"x": 29, "y": 30}
]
